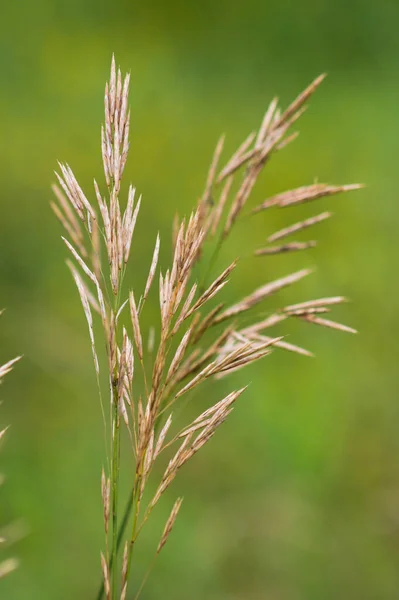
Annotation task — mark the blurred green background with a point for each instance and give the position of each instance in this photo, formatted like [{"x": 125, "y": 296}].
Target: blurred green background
[{"x": 298, "y": 495}]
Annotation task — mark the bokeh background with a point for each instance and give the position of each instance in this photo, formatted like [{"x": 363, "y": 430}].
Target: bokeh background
[{"x": 298, "y": 496}]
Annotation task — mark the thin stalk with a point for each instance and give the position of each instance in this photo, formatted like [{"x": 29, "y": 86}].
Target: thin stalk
[
  {"x": 136, "y": 509},
  {"x": 115, "y": 482},
  {"x": 146, "y": 577},
  {"x": 132, "y": 499},
  {"x": 122, "y": 529}
]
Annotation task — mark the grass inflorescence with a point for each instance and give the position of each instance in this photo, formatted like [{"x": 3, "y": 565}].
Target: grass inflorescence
[{"x": 147, "y": 382}]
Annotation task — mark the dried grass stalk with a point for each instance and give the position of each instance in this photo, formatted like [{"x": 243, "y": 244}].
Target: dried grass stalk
[{"x": 174, "y": 363}]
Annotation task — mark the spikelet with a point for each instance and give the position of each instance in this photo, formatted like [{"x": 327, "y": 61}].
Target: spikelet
[
  {"x": 261, "y": 293},
  {"x": 152, "y": 270},
  {"x": 136, "y": 326},
  {"x": 283, "y": 249},
  {"x": 305, "y": 194},
  {"x": 106, "y": 577},
  {"x": 283, "y": 233},
  {"x": 169, "y": 524}
]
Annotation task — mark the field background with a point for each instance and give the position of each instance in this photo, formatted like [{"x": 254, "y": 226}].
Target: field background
[{"x": 297, "y": 498}]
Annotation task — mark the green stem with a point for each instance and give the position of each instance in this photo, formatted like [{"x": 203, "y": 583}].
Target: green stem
[
  {"x": 134, "y": 494},
  {"x": 122, "y": 529},
  {"x": 115, "y": 482},
  {"x": 136, "y": 509}
]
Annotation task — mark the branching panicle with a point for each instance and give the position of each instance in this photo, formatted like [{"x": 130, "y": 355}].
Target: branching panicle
[{"x": 188, "y": 315}]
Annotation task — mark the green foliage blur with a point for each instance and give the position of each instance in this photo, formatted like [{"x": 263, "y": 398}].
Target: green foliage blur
[{"x": 298, "y": 495}]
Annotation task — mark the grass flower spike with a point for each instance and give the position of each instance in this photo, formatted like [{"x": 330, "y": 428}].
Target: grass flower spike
[{"x": 196, "y": 337}]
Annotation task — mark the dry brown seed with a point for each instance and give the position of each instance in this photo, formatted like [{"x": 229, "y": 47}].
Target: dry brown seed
[
  {"x": 289, "y": 247},
  {"x": 106, "y": 494},
  {"x": 94, "y": 279},
  {"x": 240, "y": 199},
  {"x": 71, "y": 197},
  {"x": 121, "y": 309},
  {"x": 152, "y": 268},
  {"x": 197, "y": 379},
  {"x": 308, "y": 311},
  {"x": 129, "y": 230},
  {"x": 140, "y": 417},
  {"x": 119, "y": 235},
  {"x": 186, "y": 368},
  {"x": 125, "y": 97},
  {"x": 318, "y": 191},
  {"x": 169, "y": 524},
  {"x": 128, "y": 356},
  {"x": 305, "y": 194},
  {"x": 285, "y": 142},
  {"x": 212, "y": 350},
  {"x": 262, "y": 293},
  {"x": 236, "y": 158},
  {"x": 327, "y": 323},
  {"x": 7, "y": 367},
  {"x": 75, "y": 189},
  {"x": 122, "y": 409},
  {"x": 87, "y": 311},
  {"x": 162, "y": 300},
  {"x": 105, "y": 570},
  {"x": 225, "y": 359},
  {"x": 136, "y": 325},
  {"x": 272, "y": 142},
  {"x": 225, "y": 402},
  {"x": 104, "y": 154},
  {"x": 65, "y": 205},
  {"x": 186, "y": 308},
  {"x": 96, "y": 251},
  {"x": 243, "y": 362},
  {"x": 112, "y": 89},
  {"x": 278, "y": 235},
  {"x": 124, "y": 570},
  {"x": 124, "y": 591},
  {"x": 300, "y": 100},
  {"x": 266, "y": 123},
  {"x": 75, "y": 236},
  {"x": 245, "y": 354},
  {"x": 315, "y": 303},
  {"x": 244, "y": 159},
  {"x": 162, "y": 436},
  {"x": 286, "y": 346},
  {"x": 148, "y": 456},
  {"x": 179, "y": 354},
  {"x": 214, "y": 288}
]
